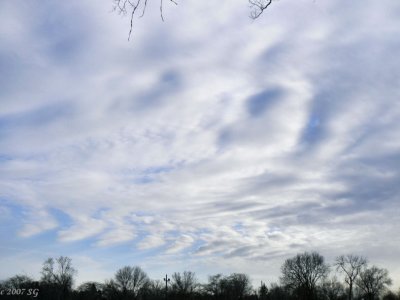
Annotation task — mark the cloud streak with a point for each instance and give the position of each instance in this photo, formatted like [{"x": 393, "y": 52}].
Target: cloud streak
[{"x": 220, "y": 142}]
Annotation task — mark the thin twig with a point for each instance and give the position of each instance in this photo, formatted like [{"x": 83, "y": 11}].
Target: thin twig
[
  {"x": 123, "y": 6},
  {"x": 259, "y": 7}
]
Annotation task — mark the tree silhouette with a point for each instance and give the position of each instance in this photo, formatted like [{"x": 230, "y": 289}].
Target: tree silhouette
[
  {"x": 16, "y": 284},
  {"x": 234, "y": 286},
  {"x": 277, "y": 292},
  {"x": 304, "y": 277},
  {"x": 18, "y": 281},
  {"x": 110, "y": 290},
  {"x": 332, "y": 289},
  {"x": 184, "y": 285},
  {"x": 351, "y": 266},
  {"x": 390, "y": 296},
  {"x": 373, "y": 281},
  {"x": 90, "y": 290},
  {"x": 59, "y": 274},
  {"x": 302, "y": 273},
  {"x": 131, "y": 281},
  {"x": 239, "y": 284},
  {"x": 263, "y": 292},
  {"x": 155, "y": 290},
  {"x": 214, "y": 287}
]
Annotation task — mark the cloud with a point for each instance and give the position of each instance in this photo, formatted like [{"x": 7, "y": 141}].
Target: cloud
[
  {"x": 150, "y": 242},
  {"x": 116, "y": 236},
  {"x": 82, "y": 228},
  {"x": 222, "y": 142},
  {"x": 258, "y": 103},
  {"x": 182, "y": 242},
  {"x": 37, "y": 221}
]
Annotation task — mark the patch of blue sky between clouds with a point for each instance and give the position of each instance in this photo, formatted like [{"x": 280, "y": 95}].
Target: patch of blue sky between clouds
[
  {"x": 259, "y": 103},
  {"x": 313, "y": 132}
]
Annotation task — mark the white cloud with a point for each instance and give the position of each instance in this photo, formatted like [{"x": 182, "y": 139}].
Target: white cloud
[
  {"x": 83, "y": 228},
  {"x": 120, "y": 234},
  {"x": 36, "y": 221},
  {"x": 182, "y": 242},
  {"x": 165, "y": 144},
  {"x": 150, "y": 242}
]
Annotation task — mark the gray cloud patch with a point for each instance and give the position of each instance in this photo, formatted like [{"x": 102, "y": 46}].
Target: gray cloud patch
[
  {"x": 109, "y": 142},
  {"x": 259, "y": 103},
  {"x": 38, "y": 117}
]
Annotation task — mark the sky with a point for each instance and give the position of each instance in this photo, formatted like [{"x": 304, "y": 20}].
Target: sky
[{"x": 210, "y": 142}]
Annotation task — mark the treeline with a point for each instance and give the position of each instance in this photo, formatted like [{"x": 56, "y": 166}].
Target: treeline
[{"x": 305, "y": 276}]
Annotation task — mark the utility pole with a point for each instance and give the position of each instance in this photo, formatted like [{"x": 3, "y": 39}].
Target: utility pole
[{"x": 166, "y": 279}]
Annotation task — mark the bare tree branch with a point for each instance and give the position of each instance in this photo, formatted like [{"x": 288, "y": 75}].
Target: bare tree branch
[
  {"x": 258, "y": 7},
  {"x": 125, "y": 6},
  {"x": 129, "y": 6}
]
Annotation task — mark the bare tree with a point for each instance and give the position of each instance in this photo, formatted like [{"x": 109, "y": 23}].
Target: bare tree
[
  {"x": 131, "y": 280},
  {"x": 373, "y": 281},
  {"x": 110, "y": 290},
  {"x": 214, "y": 287},
  {"x": 156, "y": 289},
  {"x": 302, "y": 273},
  {"x": 185, "y": 284},
  {"x": 234, "y": 286},
  {"x": 239, "y": 284},
  {"x": 90, "y": 290},
  {"x": 59, "y": 273},
  {"x": 263, "y": 292},
  {"x": 18, "y": 282},
  {"x": 351, "y": 266},
  {"x": 277, "y": 292},
  {"x": 332, "y": 289}
]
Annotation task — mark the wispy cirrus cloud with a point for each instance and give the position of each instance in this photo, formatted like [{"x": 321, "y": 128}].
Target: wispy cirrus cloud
[{"x": 223, "y": 143}]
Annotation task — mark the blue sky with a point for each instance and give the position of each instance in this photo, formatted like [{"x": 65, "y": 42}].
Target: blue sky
[{"x": 209, "y": 142}]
